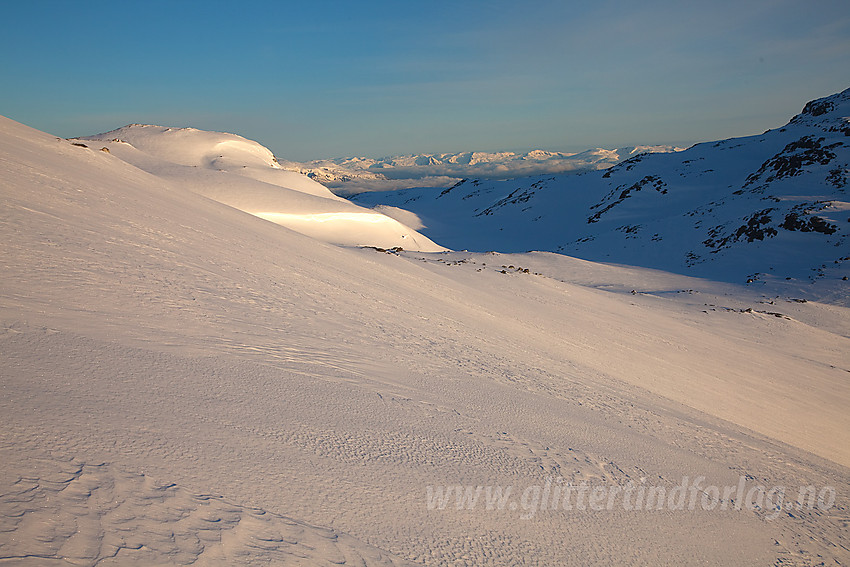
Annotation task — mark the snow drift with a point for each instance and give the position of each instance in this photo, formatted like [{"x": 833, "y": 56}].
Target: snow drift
[{"x": 245, "y": 175}]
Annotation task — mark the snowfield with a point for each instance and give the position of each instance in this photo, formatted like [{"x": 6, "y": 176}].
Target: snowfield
[{"x": 187, "y": 383}]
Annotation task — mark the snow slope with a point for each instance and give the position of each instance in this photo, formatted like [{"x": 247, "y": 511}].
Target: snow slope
[
  {"x": 760, "y": 208},
  {"x": 245, "y": 175},
  {"x": 186, "y": 383}
]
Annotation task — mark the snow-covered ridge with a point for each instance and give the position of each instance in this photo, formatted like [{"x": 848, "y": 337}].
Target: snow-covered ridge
[
  {"x": 190, "y": 146},
  {"x": 358, "y": 174},
  {"x": 770, "y": 206},
  {"x": 246, "y": 175}
]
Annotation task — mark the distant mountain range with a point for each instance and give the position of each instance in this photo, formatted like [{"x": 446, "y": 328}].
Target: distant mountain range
[
  {"x": 773, "y": 205},
  {"x": 357, "y": 174}
]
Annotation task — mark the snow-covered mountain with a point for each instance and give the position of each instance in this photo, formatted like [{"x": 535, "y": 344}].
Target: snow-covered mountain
[
  {"x": 245, "y": 175},
  {"x": 773, "y": 205},
  {"x": 354, "y": 175},
  {"x": 185, "y": 383}
]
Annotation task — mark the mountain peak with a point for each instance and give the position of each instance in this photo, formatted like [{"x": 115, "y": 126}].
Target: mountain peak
[{"x": 831, "y": 113}]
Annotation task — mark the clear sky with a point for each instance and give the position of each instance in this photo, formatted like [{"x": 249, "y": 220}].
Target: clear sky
[{"x": 320, "y": 78}]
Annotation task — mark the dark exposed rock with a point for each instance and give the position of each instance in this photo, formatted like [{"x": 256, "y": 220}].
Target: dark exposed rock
[
  {"x": 653, "y": 180},
  {"x": 808, "y": 150}
]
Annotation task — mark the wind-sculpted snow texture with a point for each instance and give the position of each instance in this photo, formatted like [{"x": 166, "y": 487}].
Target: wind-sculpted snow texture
[
  {"x": 68, "y": 512},
  {"x": 767, "y": 207},
  {"x": 185, "y": 383}
]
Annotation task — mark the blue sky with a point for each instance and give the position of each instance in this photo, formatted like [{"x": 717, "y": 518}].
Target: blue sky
[{"x": 374, "y": 78}]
